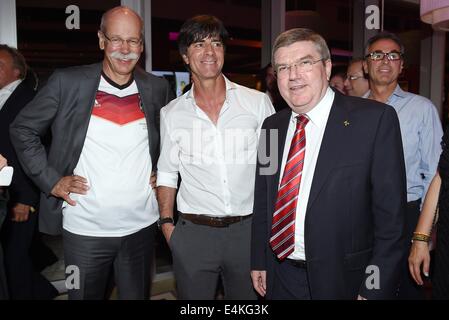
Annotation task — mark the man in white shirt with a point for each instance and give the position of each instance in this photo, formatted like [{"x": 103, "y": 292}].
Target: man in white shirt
[
  {"x": 209, "y": 136},
  {"x": 330, "y": 201}
]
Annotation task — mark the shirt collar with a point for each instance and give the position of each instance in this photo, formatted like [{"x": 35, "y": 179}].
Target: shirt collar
[
  {"x": 229, "y": 86},
  {"x": 11, "y": 86},
  {"x": 318, "y": 115},
  {"x": 398, "y": 92}
]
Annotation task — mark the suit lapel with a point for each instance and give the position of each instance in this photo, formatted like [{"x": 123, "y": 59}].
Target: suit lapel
[
  {"x": 282, "y": 127},
  {"x": 13, "y": 95},
  {"x": 330, "y": 147},
  {"x": 144, "y": 87},
  {"x": 88, "y": 87},
  {"x": 146, "y": 98}
]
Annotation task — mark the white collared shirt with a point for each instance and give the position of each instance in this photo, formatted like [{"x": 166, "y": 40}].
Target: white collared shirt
[
  {"x": 7, "y": 91},
  {"x": 216, "y": 162},
  {"x": 314, "y": 136}
]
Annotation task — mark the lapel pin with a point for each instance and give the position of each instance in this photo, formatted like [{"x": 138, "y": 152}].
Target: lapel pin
[{"x": 346, "y": 123}]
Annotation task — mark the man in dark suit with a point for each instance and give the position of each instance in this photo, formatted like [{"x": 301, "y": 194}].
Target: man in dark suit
[
  {"x": 330, "y": 195},
  {"x": 95, "y": 181},
  {"x": 19, "y": 234},
  {"x": 3, "y": 210}
]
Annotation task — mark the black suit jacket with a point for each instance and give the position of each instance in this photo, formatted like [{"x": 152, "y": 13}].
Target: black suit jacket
[
  {"x": 3, "y": 283},
  {"x": 22, "y": 190},
  {"x": 64, "y": 106},
  {"x": 356, "y": 209}
]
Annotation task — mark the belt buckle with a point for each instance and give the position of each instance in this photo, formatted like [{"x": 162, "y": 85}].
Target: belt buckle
[{"x": 220, "y": 222}]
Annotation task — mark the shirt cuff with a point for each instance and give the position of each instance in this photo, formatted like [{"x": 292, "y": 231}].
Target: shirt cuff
[{"x": 167, "y": 179}]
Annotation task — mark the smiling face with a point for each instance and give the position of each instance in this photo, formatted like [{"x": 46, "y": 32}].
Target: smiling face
[
  {"x": 383, "y": 72},
  {"x": 120, "y": 59},
  {"x": 302, "y": 90},
  {"x": 205, "y": 58}
]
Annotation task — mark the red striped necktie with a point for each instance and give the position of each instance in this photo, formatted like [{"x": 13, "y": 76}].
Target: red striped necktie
[{"x": 282, "y": 239}]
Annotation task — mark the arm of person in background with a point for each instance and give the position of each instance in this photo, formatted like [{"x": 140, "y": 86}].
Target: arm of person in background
[
  {"x": 26, "y": 131},
  {"x": 430, "y": 144},
  {"x": 3, "y": 195},
  {"x": 419, "y": 252},
  {"x": 3, "y": 163},
  {"x": 24, "y": 195}
]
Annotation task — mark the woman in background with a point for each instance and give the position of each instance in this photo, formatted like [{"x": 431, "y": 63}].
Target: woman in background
[{"x": 419, "y": 259}]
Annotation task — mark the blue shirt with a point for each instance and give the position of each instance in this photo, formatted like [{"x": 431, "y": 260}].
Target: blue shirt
[{"x": 421, "y": 133}]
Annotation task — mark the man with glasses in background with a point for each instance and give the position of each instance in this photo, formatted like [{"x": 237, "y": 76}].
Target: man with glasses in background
[
  {"x": 95, "y": 181},
  {"x": 420, "y": 129},
  {"x": 356, "y": 82}
]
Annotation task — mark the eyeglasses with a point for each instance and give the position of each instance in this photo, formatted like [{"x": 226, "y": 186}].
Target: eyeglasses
[
  {"x": 379, "y": 55},
  {"x": 118, "y": 42},
  {"x": 352, "y": 78},
  {"x": 301, "y": 66}
]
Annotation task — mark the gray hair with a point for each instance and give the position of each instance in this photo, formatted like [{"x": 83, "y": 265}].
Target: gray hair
[
  {"x": 301, "y": 34},
  {"x": 384, "y": 36},
  {"x": 18, "y": 61}
]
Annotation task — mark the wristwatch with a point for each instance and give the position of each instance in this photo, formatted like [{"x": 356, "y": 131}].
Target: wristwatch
[{"x": 162, "y": 221}]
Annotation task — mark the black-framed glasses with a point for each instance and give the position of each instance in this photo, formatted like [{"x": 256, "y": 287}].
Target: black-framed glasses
[
  {"x": 380, "y": 55},
  {"x": 301, "y": 66},
  {"x": 118, "y": 42}
]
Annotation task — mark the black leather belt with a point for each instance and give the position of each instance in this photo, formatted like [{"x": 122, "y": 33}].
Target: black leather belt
[
  {"x": 218, "y": 222},
  {"x": 298, "y": 263}
]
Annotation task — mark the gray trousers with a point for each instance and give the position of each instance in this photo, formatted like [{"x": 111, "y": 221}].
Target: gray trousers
[
  {"x": 201, "y": 254},
  {"x": 129, "y": 258}
]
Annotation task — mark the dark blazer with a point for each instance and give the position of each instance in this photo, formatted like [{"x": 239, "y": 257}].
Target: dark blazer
[
  {"x": 3, "y": 210},
  {"x": 356, "y": 209},
  {"x": 64, "y": 106},
  {"x": 22, "y": 190}
]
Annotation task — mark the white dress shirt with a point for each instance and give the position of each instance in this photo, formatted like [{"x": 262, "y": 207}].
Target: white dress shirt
[
  {"x": 216, "y": 162},
  {"x": 7, "y": 91},
  {"x": 314, "y": 136}
]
